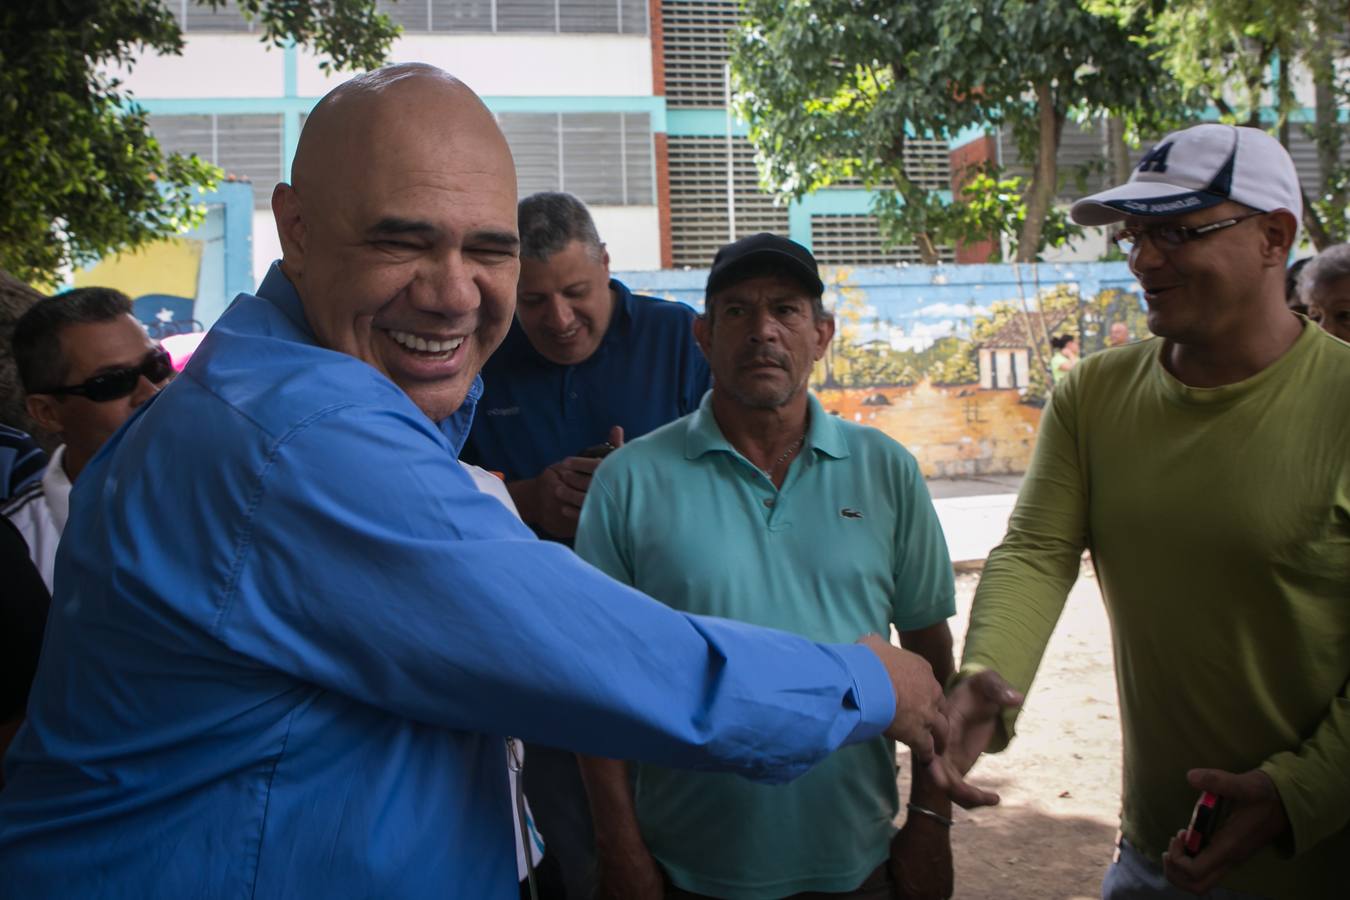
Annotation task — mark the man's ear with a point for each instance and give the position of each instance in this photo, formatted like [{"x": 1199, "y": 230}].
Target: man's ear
[
  {"x": 1279, "y": 228},
  {"x": 42, "y": 410},
  {"x": 290, "y": 226},
  {"x": 703, "y": 334},
  {"x": 824, "y": 334}
]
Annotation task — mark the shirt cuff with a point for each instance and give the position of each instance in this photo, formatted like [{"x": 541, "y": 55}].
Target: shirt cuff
[{"x": 872, "y": 693}]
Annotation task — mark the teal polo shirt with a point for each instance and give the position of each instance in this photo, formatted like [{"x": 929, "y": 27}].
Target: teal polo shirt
[{"x": 849, "y": 545}]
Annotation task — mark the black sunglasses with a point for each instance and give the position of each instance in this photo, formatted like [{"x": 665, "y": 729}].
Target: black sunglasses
[{"x": 118, "y": 383}]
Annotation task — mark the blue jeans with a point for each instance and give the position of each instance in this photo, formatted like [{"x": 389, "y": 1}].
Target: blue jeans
[{"x": 1136, "y": 877}]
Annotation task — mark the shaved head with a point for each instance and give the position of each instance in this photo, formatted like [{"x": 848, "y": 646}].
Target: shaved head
[
  {"x": 398, "y": 229},
  {"x": 361, "y": 121}
]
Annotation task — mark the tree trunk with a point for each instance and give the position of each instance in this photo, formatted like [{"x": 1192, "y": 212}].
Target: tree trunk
[
  {"x": 928, "y": 252},
  {"x": 1117, "y": 152},
  {"x": 1329, "y": 139},
  {"x": 923, "y": 240},
  {"x": 1316, "y": 228},
  {"x": 1046, "y": 177},
  {"x": 1283, "y": 96}
]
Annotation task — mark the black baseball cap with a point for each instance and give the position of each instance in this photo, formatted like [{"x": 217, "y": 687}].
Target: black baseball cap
[{"x": 794, "y": 261}]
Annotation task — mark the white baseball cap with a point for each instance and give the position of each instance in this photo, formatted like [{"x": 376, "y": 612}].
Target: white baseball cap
[{"x": 1197, "y": 168}]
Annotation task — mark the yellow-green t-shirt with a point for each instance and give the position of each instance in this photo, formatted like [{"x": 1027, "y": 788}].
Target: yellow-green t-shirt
[{"x": 1219, "y": 523}]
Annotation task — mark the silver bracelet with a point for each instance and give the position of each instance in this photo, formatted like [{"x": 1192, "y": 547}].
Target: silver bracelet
[{"x": 928, "y": 813}]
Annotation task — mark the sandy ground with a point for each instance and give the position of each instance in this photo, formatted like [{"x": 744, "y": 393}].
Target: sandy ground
[{"x": 1052, "y": 836}]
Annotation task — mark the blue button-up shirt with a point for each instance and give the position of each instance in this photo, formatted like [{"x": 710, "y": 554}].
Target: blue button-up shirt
[
  {"x": 288, "y": 633},
  {"x": 647, "y": 371}
]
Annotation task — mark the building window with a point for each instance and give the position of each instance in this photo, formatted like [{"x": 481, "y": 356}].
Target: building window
[
  {"x": 245, "y": 146},
  {"x": 605, "y": 159},
  {"x": 700, "y": 216},
  {"x": 196, "y": 15},
  {"x": 518, "y": 16},
  {"x": 695, "y": 42},
  {"x": 854, "y": 240}
]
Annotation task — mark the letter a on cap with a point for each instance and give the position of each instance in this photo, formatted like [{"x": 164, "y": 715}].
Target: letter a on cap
[{"x": 1156, "y": 160}]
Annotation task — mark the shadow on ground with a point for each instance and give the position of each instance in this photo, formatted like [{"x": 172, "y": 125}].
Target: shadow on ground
[{"x": 1023, "y": 853}]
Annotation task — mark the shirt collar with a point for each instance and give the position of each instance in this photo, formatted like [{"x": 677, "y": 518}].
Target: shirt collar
[
  {"x": 823, "y": 434},
  {"x": 622, "y": 316},
  {"x": 277, "y": 289}
]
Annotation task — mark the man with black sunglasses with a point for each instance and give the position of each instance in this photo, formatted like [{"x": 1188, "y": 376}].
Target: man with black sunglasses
[
  {"x": 1208, "y": 470},
  {"x": 85, "y": 364}
]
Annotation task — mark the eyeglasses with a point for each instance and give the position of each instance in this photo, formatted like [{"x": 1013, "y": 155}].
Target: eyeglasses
[
  {"x": 119, "y": 383},
  {"x": 1170, "y": 237}
]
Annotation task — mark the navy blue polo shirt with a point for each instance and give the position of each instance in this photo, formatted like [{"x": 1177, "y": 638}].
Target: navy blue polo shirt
[{"x": 646, "y": 372}]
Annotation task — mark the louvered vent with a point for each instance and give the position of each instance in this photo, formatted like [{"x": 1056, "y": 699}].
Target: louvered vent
[
  {"x": 244, "y": 146},
  {"x": 927, "y": 162},
  {"x": 854, "y": 241},
  {"x": 699, "y": 223},
  {"x": 194, "y": 15},
  {"x": 694, "y": 41},
  {"x": 604, "y": 158},
  {"x": 519, "y": 16}
]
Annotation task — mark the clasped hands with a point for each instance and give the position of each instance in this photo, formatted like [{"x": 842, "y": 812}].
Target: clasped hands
[{"x": 945, "y": 734}]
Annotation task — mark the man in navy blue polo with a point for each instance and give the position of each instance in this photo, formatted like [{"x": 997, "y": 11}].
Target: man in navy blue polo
[{"x": 586, "y": 363}]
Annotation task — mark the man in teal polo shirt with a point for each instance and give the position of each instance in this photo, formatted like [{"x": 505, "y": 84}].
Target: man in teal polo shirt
[{"x": 761, "y": 507}]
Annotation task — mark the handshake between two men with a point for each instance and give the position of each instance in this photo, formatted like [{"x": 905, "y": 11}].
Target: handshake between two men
[{"x": 945, "y": 734}]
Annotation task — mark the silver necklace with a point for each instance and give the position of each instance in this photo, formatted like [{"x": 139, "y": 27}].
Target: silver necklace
[{"x": 797, "y": 445}]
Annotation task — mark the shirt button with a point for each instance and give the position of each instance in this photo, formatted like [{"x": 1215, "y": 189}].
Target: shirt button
[
  {"x": 572, "y": 395},
  {"x": 768, "y": 501}
]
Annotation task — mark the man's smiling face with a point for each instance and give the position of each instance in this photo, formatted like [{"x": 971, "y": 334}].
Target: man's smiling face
[
  {"x": 400, "y": 236},
  {"x": 1202, "y": 287}
]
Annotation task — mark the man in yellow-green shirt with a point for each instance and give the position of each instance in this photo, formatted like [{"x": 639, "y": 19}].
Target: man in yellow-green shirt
[{"x": 1208, "y": 471}]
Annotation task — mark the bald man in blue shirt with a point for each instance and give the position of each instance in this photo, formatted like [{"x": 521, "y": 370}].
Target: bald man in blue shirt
[{"x": 289, "y": 634}]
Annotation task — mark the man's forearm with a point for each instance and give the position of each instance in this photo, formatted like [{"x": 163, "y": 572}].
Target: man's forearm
[
  {"x": 1313, "y": 780},
  {"x": 934, "y": 644},
  {"x": 611, "y": 800}
]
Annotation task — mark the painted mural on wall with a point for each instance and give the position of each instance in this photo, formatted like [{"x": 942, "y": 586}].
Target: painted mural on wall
[
  {"x": 955, "y": 362},
  {"x": 964, "y": 393},
  {"x": 181, "y": 285},
  {"x": 160, "y": 278}
]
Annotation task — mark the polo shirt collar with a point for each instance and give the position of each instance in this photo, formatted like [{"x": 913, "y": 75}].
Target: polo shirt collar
[
  {"x": 824, "y": 434},
  {"x": 622, "y": 316}
]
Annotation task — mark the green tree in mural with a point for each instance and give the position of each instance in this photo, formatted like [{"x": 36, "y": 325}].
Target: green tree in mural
[
  {"x": 835, "y": 89},
  {"x": 849, "y": 361},
  {"x": 950, "y": 360},
  {"x": 80, "y": 174}
]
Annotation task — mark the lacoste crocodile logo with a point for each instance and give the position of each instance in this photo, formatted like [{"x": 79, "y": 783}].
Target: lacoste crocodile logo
[{"x": 850, "y": 513}]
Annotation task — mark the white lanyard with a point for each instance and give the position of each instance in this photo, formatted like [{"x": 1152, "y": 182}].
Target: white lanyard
[{"x": 513, "y": 759}]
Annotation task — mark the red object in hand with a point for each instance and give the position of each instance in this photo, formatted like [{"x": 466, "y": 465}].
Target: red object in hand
[{"x": 1204, "y": 820}]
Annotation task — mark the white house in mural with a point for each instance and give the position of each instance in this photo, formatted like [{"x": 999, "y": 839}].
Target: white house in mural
[{"x": 1005, "y": 359}]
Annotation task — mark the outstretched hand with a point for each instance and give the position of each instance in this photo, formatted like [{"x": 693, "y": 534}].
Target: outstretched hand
[
  {"x": 1256, "y": 817},
  {"x": 919, "y": 722},
  {"x": 973, "y": 710}
]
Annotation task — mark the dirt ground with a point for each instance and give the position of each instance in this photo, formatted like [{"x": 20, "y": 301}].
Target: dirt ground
[{"x": 1052, "y": 836}]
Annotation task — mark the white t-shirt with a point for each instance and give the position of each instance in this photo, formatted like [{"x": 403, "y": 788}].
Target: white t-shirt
[
  {"x": 40, "y": 511},
  {"x": 490, "y": 484}
]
